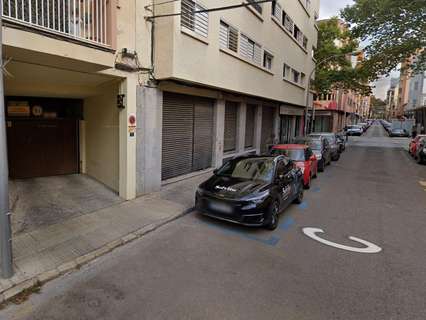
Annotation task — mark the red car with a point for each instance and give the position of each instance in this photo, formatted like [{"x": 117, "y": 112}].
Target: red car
[
  {"x": 303, "y": 157},
  {"x": 412, "y": 147}
]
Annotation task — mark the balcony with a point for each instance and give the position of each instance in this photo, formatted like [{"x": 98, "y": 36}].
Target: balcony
[{"x": 87, "y": 21}]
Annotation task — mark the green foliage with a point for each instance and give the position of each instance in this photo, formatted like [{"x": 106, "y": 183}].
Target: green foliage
[
  {"x": 334, "y": 68},
  {"x": 394, "y": 30}
]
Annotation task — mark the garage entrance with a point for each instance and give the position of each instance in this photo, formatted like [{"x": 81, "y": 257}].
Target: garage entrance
[
  {"x": 187, "y": 134},
  {"x": 42, "y": 136}
]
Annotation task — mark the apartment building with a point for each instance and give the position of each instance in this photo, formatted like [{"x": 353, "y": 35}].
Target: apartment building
[
  {"x": 134, "y": 99},
  {"x": 339, "y": 108},
  {"x": 229, "y": 82}
]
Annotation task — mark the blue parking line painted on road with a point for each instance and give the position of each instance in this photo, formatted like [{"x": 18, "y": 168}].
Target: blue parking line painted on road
[
  {"x": 303, "y": 205},
  {"x": 286, "y": 224}
]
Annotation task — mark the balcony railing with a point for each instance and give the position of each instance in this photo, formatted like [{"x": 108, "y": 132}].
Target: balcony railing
[{"x": 83, "y": 20}]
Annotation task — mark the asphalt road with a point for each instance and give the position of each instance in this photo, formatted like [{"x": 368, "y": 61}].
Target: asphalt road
[{"x": 198, "y": 268}]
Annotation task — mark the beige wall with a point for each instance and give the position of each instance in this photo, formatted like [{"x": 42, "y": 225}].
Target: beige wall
[
  {"x": 102, "y": 137},
  {"x": 200, "y": 60}
]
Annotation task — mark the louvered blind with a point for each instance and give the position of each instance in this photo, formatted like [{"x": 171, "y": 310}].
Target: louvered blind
[
  {"x": 277, "y": 11},
  {"x": 230, "y": 136},
  {"x": 197, "y": 22}
]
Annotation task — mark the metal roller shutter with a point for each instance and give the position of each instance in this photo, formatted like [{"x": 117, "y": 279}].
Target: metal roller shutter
[
  {"x": 187, "y": 134},
  {"x": 267, "y": 128},
  {"x": 250, "y": 125},
  {"x": 178, "y": 121},
  {"x": 203, "y": 134},
  {"x": 230, "y": 138}
]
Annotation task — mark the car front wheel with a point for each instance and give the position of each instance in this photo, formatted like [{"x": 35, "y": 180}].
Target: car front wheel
[
  {"x": 321, "y": 165},
  {"x": 273, "y": 217}
]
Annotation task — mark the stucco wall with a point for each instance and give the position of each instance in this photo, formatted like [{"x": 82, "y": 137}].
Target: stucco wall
[
  {"x": 102, "y": 137},
  {"x": 203, "y": 62}
]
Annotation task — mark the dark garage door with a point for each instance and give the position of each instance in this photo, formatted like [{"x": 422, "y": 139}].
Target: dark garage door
[
  {"x": 39, "y": 148},
  {"x": 187, "y": 134}
]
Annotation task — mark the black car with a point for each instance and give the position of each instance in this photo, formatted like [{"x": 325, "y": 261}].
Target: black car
[
  {"x": 420, "y": 155},
  {"x": 251, "y": 190},
  {"x": 332, "y": 140},
  {"x": 320, "y": 147}
]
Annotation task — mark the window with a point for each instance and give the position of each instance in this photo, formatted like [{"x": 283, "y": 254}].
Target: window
[
  {"x": 305, "y": 42},
  {"x": 287, "y": 23},
  {"x": 256, "y": 6},
  {"x": 286, "y": 71},
  {"x": 302, "y": 78},
  {"x": 267, "y": 60},
  {"x": 277, "y": 11},
  {"x": 250, "y": 50},
  {"x": 228, "y": 37},
  {"x": 197, "y": 22},
  {"x": 296, "y": 76},
  {"x": 416, "y": 86}
]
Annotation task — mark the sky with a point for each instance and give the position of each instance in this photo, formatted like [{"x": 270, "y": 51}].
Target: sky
[{"x": 329, "y": 8}]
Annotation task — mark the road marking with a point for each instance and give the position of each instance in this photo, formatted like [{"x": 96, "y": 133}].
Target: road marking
[
  {"x": 316, "y": 189},
  {"x": 370, "y": 247},
  {"x": 287, "y": 223},
  {"x": 303, "y": 205},
  {"x": 422, "y": 183}
]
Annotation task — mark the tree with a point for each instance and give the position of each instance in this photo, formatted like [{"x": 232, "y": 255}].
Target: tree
[
  {"x": 334, "y": 68},
  {"x": 394, "y": 31}
]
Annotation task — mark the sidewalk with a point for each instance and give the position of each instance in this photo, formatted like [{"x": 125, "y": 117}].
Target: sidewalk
[{"x": 46, "y": 253}]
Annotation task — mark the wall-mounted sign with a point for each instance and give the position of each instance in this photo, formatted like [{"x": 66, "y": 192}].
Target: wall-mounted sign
[
  {"x": 132, "y": 124},
  {"x": 37, "y": 111},
  {"x": 18, "y": 109}
]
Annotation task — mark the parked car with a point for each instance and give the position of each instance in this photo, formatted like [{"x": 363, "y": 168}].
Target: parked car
[
  {"x": 303, "y": 157},
  {"x": 413, "y": 145},
  {"x": 398, "y": 133},
  {"x": 251, "y": 191},
  {"x": 364, "y": 125},
  {"x": 332, "y": 140},
  {"x": 420, "y": 155},
  {"x": 354, "y": 130},
  {"x": 320, "y": 147}
]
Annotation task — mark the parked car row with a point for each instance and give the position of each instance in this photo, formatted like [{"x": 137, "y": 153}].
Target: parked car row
[
  {"x": 253, "y": 190},
  {"x": 394, "y": 131},
  {"x": 357, "y": 129},
  {"x": 417, "y": 148}
]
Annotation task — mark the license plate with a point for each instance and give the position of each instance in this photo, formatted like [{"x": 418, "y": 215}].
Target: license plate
[{"x": 222, "y": 207}]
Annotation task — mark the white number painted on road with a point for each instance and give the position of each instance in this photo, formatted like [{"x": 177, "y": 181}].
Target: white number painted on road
[{"x": 370, "y": 247}]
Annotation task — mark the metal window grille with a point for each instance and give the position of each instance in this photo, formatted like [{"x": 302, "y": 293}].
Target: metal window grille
[
  {"x": 288, "y": 22},
  {"x": 228, "y": 37},
  {"x": 256, "y": 6},
  {"x": 197, "y": 22},
  {"x": 277, "y": 11},
  {"x": 85, "y": 20}
]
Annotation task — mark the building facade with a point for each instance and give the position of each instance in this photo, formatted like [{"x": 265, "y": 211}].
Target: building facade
[
  {"x": 136, "y": 95},
  {"x": 228, "y": 82}
]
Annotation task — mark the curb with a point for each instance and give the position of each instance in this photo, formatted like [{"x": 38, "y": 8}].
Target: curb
[{"x": 27, "y": 283}]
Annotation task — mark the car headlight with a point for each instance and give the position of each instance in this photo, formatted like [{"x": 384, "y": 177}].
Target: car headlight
[{"x": 259, "y": 198}]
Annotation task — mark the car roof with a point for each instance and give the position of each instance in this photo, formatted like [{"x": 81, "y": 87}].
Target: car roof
[
  {"x": 290, "y": 146},
  {"x": 254, "y": 156}
]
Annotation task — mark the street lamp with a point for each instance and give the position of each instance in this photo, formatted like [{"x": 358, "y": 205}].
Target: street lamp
[{"x": 308, "y": 87}]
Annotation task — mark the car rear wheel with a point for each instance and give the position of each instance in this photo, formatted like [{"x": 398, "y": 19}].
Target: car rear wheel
[{"x": 273, "y": 217}]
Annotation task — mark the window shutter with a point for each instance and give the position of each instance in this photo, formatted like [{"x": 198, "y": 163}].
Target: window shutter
[
  {"x": 233, "y": 39},
  {"x": 244, "y": 47},
  {"x": 257, "y": 54},
  {"x": 201, "y": 25},
  {"x": 277, "y": 11},
  {"x": 230, "y": 138},
  {"x": 288, "y": 23},
  {"x": 223, "y": 35}
]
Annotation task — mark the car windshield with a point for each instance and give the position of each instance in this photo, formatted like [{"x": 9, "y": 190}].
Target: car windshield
[
  {"x": 398, "y": 130},
  {"x": 249, "y": 169},
  {"x": 315, "y": 144},
  {"x": 293, "y": 154}
]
